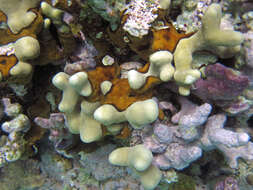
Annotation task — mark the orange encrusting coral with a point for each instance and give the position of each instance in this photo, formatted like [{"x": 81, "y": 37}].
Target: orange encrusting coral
[
  {"x": 156, "y": 40},
  {"x": 145, "y": 68},
  {"x": 122, "y": 96},
  {"x": 161, "y": 114},
  {"x": 97, "y": 76},
  {"x": 35, "y": 27},
  {"x": 124, "y": 133},
  {"x": 151, "y": 82},
  {"x": 167, "y": 38},
  {"x": 6, "y": 63}
]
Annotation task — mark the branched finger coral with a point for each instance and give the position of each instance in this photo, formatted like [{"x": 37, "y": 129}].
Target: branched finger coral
[
  {"x": 176, "y": 146},
  {"x": 13, "y": 146},
  {"x": 140, "y": 159},
  {"x": 210, "y": 37}
]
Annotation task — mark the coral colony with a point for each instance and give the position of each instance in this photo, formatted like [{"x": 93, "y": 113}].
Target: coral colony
[{"x": 137, "y": 94}]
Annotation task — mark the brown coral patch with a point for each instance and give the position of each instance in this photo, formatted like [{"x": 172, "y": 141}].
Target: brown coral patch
[
  {"x": 50, "y": 49},
  {"x": 68, "y": 43},
  {"x": 122, "y": 96},
  {"x": 142, "y": 46},
  {"x": 161, "y": 114},
  {"x": 35, "y": 27},
  {"x": 6, "y": 63},
  {"x": 167, "y": 39},
  {"x": 49, "y": 52},
  {"x": 124, "y": 133},
  {"x": 151, "y": 81},
  {"x": 155, "y": 40},
  {"x": 144, "y": 69},
  {"x": 97, "y": 76},
  {"x": 35, "y": 134}
]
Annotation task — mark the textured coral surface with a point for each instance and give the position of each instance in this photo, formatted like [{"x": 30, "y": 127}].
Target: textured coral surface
[{"x": 126, "y": 94}]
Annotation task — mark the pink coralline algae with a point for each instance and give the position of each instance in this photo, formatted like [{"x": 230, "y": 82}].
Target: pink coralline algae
[
  {"x": 229, "y": 183},
  {"x": 83, "y": 58},
  {"x": 221, "y": 86},
  {"x": 191, "y": 131},
  {"x": 59, "y": 133}
]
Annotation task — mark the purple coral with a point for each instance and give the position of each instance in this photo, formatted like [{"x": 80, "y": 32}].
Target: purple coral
[
  {"x": 170, "y": 142},
  {"x": 233, "y": 145},
  {"x": 221, "y": 84},
  {"x": 179, "y": 144}
]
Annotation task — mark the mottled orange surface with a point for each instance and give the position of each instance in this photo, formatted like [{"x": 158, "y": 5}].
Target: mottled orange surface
[
  {"x": 6, "y": 63},
  {"x": 161, "y": 114},
  {"x": 151, "y": 82},
  {"x": 124, "y": 133},
  {"x": 167, "y": 39},
  {"x": 155, "y": 40},
  {"x": 7, "y": 36},
  {"x": 97, "y": 76},
  {"x": 122, "y": 96}
]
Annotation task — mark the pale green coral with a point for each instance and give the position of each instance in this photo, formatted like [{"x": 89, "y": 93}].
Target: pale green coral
[
  {"x": 18, "y": 13},
  {"x": 72, "y": 87},
  {"x": 164, "y": 4},
  {"x": 26, "y": 48},
  {"x": 83, "y": 123},
  {"x": 107, "y": 60},
  {"x": 81, "y": 84},
  {"x": 105, "y": 87},
  {"x": 225, "y": 43},
  {"x": 55, "y": 16},
  {"x": 79, "y": 119},
  {"x": 160, "y": 66},
  {"x": 70, "y": 96},
  {"x": 139, "y": 158},
  {"x": 138, "y": 114}
]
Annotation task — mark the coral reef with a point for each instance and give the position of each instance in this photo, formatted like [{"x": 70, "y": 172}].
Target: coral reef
[{"x": 126, "y": 94}]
